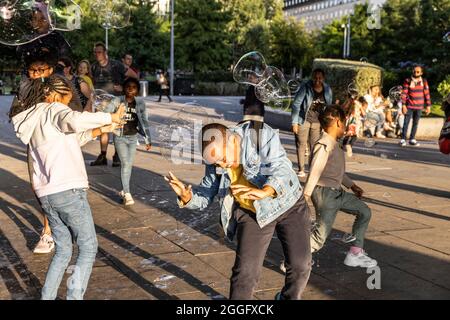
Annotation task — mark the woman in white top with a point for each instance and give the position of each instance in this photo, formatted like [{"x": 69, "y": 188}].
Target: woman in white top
[{"x": 375, "y": 111}]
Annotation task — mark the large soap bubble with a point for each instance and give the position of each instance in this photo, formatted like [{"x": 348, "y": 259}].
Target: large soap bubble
[
  {"x": 250, "y": 68},
  {"x": 112, "y": 14},
  {"x": 104, "y": 102},
  {"x": 179, "y": 136},
  {"x": 23, "y": 21},
  {"x": 273, "y": 88},
  {"x": 270, "y": 84}
]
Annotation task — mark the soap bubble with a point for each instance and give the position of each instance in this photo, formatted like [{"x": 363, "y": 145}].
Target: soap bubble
[
  {"x": 352, "y": 90},
  {"x": 250, "y": 68},
  {"x": 24, "y": 21},
  {"x": 112, "y": 14},
  {"x": 395, "y": 93},
  {"x": 273, "y": 88},
  {"x": 104, "y": 102},
  {"x": 446, "y": 37},
  {"x": 364, "y": 60},
  {"x": 369, "y": 143},
  {"x": 294, "y": 85},
  {"x": 179, "y": 136}
]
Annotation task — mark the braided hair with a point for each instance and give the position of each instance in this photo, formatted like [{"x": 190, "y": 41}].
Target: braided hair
[
  {"x": 328, "y": 114},
  {"x": 39, "y": 90}
]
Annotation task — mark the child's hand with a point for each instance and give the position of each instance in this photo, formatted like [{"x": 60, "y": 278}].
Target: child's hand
[
  {"x": 148, "y": 146},
  {"x": 357, "y": 191},
  {"x": 251, "y": 193},
  {"x": 110, "y": 128},
  {"x": 183, "y": 192},
  {"x": 404, "y": 110},
  {"x": 119, "y": 114}
]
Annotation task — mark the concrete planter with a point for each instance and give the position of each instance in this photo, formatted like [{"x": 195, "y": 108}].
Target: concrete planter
[{"x": 429, "y": 128}]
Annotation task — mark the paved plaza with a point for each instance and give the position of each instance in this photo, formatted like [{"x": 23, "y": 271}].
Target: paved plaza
[{"x": 154, "y": 250}]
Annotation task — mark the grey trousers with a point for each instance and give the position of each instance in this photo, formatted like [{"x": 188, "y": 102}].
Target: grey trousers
[
  {"x": 328, "y": 202},
  {"x": 308, "y": 135},
  {"x": 293, "y": 230}
]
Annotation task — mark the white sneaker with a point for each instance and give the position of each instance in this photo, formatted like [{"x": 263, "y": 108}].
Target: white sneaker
[
  {"x": 301, "y": 174},
  {"x": 380, "y": 135},
  {"x": 414, "y": 142},
  {"x": 359, "y": 260},
  {"x": 282, "y": 267},
  {"x": 127, "y": 198},
  {"x": 45, "y": 245},
  {"x": 403, "y": 143},
  {"x": 349, "y": 150}
]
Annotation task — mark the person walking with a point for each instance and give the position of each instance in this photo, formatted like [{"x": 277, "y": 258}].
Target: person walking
[
  {"x": 415, "y": 98},
  {"x": 108, "y": 75},
  {"x": 309, "y": 99},
  {"x": 163, "y": 83}
]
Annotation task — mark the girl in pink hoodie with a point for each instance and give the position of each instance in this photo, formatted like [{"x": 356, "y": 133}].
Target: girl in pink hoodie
[{"x": 55, "y": 134}]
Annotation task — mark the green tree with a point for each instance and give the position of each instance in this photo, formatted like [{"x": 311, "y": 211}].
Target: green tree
[
  {"x": 290, "y": 45},
  {"x": 201, "y": 43},
  {"x": 411, "y": 30}
]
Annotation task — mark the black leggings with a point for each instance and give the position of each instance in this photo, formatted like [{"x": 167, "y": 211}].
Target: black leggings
[{"x": 349, "y": 140}]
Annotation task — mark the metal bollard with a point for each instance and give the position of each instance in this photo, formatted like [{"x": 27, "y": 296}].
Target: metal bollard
[{"x": 144, "y": 88}]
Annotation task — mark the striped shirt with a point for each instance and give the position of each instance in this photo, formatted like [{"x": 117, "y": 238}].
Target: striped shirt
[{"x": 416, "y": 97}]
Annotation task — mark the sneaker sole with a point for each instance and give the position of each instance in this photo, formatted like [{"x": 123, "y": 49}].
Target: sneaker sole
[
  {"x": 44, "y": 252},
  {"x": 361, "y": 266}
]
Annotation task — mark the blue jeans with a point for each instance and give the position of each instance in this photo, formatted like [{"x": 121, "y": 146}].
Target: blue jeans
[
  {"x": 376, "y": 119},
  {"x": 415, "y": 116},
  {"x": 70, "y": 219},
  {"x": 126, "y": 149}
]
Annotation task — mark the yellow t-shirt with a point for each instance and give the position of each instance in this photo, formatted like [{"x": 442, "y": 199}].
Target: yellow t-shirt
[
  {"x": 88, "y": 81},
  {"x": 237, "y": 178}
]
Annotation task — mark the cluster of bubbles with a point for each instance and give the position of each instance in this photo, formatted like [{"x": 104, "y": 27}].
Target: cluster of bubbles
[
  {"x": 270, "y": 84},
  {"x": 395, "y": 93},
  {"x": 179, "y": 136},
  {"x": 112, "y": 14},
  {"x": 23, "y": 21}
]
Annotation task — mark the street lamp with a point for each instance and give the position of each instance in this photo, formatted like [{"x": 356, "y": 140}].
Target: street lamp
[
  {"x": 347, "y": 38},
  {"x": 172, "y": 48}
]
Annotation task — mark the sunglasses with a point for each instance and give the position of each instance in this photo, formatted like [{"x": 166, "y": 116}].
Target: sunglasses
[{"x": 38, "y": 71}]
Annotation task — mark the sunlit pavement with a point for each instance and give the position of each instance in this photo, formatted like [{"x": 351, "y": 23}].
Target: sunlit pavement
[{"x": 153, "y": 250}]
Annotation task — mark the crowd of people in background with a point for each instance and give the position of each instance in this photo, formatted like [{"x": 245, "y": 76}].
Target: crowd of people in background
[{"x": 370, "y": 115}]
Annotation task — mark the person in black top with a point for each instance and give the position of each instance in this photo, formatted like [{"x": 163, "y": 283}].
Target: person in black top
[
  {"x": 125, "y": 140},
  {"x": 253, "y": 107},
  {"x": 109, "y": 75}
]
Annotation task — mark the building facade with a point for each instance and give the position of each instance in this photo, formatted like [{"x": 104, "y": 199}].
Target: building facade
[
  {"x": 318, "y": 13},
  {"x": 161, "y": 7}
]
